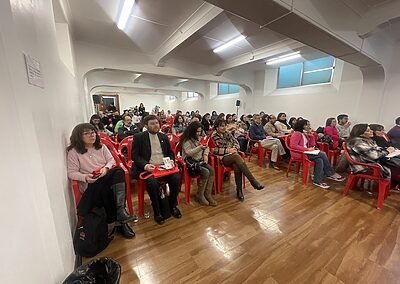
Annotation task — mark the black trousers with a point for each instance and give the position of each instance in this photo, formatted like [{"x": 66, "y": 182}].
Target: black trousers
[
  {"x": 153, "y": 186},
  {"x": 100, "y": 194}
]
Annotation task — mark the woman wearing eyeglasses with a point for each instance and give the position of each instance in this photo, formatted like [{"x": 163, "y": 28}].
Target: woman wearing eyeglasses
[{"x": 101, "y": 183}]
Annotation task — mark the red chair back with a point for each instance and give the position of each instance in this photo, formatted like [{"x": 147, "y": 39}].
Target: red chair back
[
  {"x": 376, "y": 168},
  {"x": 125, "y": 150}
]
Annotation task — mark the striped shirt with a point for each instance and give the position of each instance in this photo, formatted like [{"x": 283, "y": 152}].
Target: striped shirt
[{"x": 223, "y": 141}]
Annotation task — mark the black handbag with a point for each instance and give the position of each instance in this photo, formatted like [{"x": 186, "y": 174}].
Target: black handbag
[
  {"x": 391, "y": 162},
  {"x": 193, "y": 166}
]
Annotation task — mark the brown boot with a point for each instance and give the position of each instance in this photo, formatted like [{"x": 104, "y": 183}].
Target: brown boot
[
  {"x": 200, "y": 193},
  {"x": 245, "y": 170},
  {"x": 208, "y": 192}
]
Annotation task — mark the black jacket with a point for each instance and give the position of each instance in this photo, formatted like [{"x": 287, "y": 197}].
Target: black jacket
[
  {"x": 141, "y": 151},
  {"x": 124, "y": 132}
]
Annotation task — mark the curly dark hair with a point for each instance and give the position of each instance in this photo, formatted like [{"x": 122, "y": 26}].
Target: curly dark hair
[
  {"x": 190, "y": 131},
  {"x": 218, "y": 123},
  {"x": 76, "y": 141}
]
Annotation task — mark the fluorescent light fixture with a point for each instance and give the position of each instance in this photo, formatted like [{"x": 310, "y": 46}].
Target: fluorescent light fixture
[
  {"x": 125, "y": 14},
  {"x": 229, "y": 43},
  {"x": 283, "y": 58}
]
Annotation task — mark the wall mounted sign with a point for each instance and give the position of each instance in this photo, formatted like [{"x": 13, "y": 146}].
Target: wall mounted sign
[{"x": 33, "y": 71}]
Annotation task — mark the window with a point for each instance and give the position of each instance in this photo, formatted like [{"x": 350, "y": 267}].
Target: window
[
  {"x": 190, "y": 95},
  {"x": 317, "y": 71},
  {"x": 224, "y": 89}
]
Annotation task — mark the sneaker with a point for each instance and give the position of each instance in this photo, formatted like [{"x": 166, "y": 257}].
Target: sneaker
[
  {"x": 321, "y": 185},
  {"x": 337, "y": 177},
  {"x": 274, "y": 166}
]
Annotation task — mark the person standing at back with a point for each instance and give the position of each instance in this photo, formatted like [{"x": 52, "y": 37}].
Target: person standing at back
[{"x": 148, "y": 150}]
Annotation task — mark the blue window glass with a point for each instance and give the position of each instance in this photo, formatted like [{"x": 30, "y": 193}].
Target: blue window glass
[
  {"x": 290, "y": 75},
  {"x": 224, "y": 88},
  {"x": 320, "y": 63},
  {"x": 316, "y": 71},
  {"x": 318, "y": 77}
]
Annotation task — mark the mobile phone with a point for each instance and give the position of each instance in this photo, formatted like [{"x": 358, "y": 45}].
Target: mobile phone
[{"x": 96, "y": 173}]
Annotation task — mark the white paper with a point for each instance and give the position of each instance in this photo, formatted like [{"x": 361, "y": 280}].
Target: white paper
[
  {"x": 312, "y": 152},
  {"x": 394, "y": 154}
]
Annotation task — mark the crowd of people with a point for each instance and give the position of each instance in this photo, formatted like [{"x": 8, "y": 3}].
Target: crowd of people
[{"x": 102, "y": 183}]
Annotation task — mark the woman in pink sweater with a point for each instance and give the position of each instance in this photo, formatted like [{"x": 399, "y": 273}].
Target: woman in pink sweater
[
  {"x": 330, "y": 130},
  {"x": 303, "y": 140},
  {"x": 106, "y": 188}
]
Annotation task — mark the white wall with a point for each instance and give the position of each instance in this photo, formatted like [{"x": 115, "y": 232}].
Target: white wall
[
  {"x": 36, "y": 209},
  {"x": 127, "y": 100}
]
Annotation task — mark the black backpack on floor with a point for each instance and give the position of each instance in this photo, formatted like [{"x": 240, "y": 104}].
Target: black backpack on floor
[{"x": 92, "y": 236}]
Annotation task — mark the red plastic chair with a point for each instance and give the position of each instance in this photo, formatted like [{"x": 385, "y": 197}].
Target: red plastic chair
[
  {"x": 120, "y": 164},
  {"x": 220, "y": 168},
  {"x": 173, "y": 140},
  {"x": 125, "y": 151},
  {"x": 255, "y": 148},
  {"x": 106, "y": 137},
  {"x": 298, "y": 161},
  {"x": 187, "y": 178},
  {"x": 166, "y": 128},
  {"x": 383, "y": 183},
  {"x": 332, "y": 154}
]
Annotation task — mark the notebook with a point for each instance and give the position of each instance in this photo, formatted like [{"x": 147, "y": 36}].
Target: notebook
[{"x": 312, "y": 152}]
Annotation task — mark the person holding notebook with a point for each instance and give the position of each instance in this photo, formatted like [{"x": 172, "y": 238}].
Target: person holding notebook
[{"x": 303, "y": 140}]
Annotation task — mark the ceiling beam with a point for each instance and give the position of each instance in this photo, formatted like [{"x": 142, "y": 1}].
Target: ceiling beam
[
  {"x": 280, "y": 47},
  {"x": 201, "y": 17}
]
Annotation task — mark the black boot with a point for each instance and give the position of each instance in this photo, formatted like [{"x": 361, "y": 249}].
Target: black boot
[
  {"x": 119, "y": 196},
  {"x": 126, "y": 231},
  {"x": 239, "y": 186},
  {"x": 157, "y": 214}
]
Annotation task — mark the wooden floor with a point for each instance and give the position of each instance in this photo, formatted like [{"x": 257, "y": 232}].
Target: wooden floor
[{"x": 286, "y": 233}]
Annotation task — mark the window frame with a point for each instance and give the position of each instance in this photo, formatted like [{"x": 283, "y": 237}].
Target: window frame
[
  {"x": 306, "y": 72},
  {"x": 228, "y": 93}
]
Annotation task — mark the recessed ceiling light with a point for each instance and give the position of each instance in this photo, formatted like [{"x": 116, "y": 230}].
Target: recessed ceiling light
[
  {"x": 125, "y": 13},
  {"x": 229, "y": 43}
]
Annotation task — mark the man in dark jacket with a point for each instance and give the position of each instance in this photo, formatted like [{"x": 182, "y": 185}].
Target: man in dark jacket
[
  {"x": 149, "y": 149},
  {"x": 128, "y": 129}
]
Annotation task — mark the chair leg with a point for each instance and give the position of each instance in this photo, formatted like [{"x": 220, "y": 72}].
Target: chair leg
[
  {"x": 288, "y": 168},
  {"x": 128, "y": 195},
  {"x": 188, "y": 183},
  {"x": 298, "y": 164},
  {"x": 305, "y": 173},
  {"x": 349, "y": 184},
  {"x": 141, "y": 198},
  {"x": 381, "y": 194}
]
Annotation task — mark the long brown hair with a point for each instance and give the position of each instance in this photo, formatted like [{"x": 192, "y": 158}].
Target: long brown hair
[{"x": 76, "y": 141}]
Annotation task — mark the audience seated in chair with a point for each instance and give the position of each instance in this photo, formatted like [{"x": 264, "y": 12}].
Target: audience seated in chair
[
  {"x": 227, "y": 149},
  {"x": 95, "y": 120},
  {"x": 331, "y": 131},
  {"x": 179, "y": 125},
  {"x": 380, "y": 137},
  {"x": 303, "y": 140},
  {"x": 86, "y": 155},
  {"x": 127, "y": 129},
  {"x": 149, "y": 149},
  {"x": 282, "y": 125},
  {"x": 394, "y": 134},
  {"x": 256, "y": 132},
  {"x": 362, "y": 148},
  {"x": 191, "y": 147}
]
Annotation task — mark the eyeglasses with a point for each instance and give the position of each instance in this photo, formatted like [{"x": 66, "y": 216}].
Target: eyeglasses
[{"x": 89, "y": 133}]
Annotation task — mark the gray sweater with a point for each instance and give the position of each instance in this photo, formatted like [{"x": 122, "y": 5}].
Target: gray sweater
[{"x": 192, "y": 149}]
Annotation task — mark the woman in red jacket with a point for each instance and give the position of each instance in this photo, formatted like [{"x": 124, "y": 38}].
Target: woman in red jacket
[
  {"x": 303, "y": 140},
  {"x": 330, "y": 130}
]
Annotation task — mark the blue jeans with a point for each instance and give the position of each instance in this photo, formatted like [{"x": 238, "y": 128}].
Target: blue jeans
[{"x": 322, "y": 166}]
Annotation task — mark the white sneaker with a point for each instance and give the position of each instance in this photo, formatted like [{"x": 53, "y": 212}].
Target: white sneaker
[
  {"x": 321, "y": 185},
  {"x": 336, "y": 177}
]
